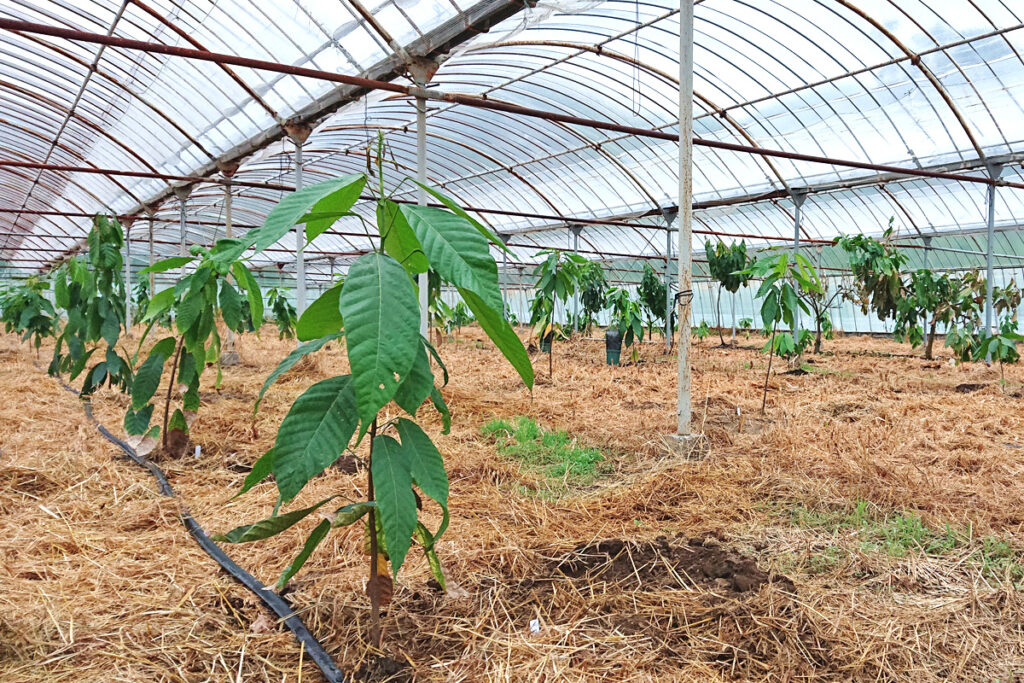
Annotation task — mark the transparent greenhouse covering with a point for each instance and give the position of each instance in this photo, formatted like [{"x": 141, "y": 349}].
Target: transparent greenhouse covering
[{"x": 910, "y": 83}]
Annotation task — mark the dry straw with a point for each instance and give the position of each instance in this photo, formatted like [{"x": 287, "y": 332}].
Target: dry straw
[{"x": 101, "y": 582}]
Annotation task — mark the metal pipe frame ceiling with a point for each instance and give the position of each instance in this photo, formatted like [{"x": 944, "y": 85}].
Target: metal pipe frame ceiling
[{"x": 908, "y": 83}]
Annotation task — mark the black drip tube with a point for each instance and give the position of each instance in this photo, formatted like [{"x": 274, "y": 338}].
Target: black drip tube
[{"x": 275, "y": 602}]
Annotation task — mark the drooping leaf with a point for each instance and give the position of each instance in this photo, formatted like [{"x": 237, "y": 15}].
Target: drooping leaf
[
  {"x": 457, "y": 251},
  {"x": 167, "y": 264},
  {"x": 459, "y": 211},
  {"x": 137, "y": 421},
  {"x": 337, "y": 195},
  {"x": 350, "y": 514},
  {"x": 247, "y": 281},
  {"x": 426, "y": 466},
  {"x": 426, "y": 539},
  {"x": 322, "y": 317},
  {"x": 230, "y": 305},
  {"x": 290, "y": 360},
  {"x": 188, "y": 312},
  {"x": 399, "y": 240},
  {"x": 396, "y": 502},
  {"x": 381, "y": 316},
  {"x": 314, "y": 433},
  {"x": 501, "y": 333},
  {"x": 159, "y": 304},
  {"x": 261, "y": 469},
  {"x": 318, "y": 534},
  {"x": 415, "y": 389},
  {"x": 147, "y": 379},
  {"x": 271, "y": 526},
  {"x": 441, "y": 407}
]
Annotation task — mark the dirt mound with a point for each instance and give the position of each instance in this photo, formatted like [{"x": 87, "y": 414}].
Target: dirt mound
[
  {"x": 666, "y": 563},
  {"x": 378, "y": 669},
  {"x": 968, "y": 387}
]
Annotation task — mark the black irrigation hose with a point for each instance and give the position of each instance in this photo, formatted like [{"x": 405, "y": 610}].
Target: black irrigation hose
[{"x": 275, "y": 602}]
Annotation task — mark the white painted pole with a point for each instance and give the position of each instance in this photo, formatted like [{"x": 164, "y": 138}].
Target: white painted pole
[
  {"x": 669, "y": 219},
  {"x": 128, "y": 279},
  {"x": 152, "y": 277},
  {"x": 421, "y": 199},
  {"x": 576, "y": 294},
  {"x": 683, "y": 408},
  {"x": 798, "y": 202},
  {"x": 300, "y": 240}
]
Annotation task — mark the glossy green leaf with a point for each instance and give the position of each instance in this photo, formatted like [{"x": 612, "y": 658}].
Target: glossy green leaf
[
  {"x": 457, "y": 251},
  {"x": 381, "y": 315},
  {"x": 314, "y": 433},
  {"x": 230, "y": 305},
  {"x": 426, "y": 466},
  {"x": 337, "y": 195},
  {"x": 425, "y": 539},
  {"x": 167, "y": 264},
  {"x": 396, "y": 502},
  {"x": 271, "y": 526},
  {"x": 441, "y": 407},
  {"x": 188, "y": 311},
  {"x": 290, "y": 360},
  {"x": 415, "y": 389},
  {"x": 318, "y": 534},
  {"x": 461, "y": 213},
  {"x": 137, "y": 421},
  {"x": 501, "y": 333},
  {"x": 350, "y": 514},
  {"x": 261, "y": 469},
  {"x": 147, "y": 378},
  {"x": 322, "y": 317},
  {"x": 160, "y": 304},
  {"x": 247, "y": 281},
  {"x": 400, "y": 242}
]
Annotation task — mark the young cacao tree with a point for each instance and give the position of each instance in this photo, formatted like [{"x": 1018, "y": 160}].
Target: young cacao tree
[
  {"x": 728, "y": 265},
  {"x": 284, "y": 313},
  {"x": 377, "y": 313},
  {"x": 652, "y": 292},
  {"x": 198, "y": 301},
  {"x": 93, "y": 293},
  {"x": 26, "y": 311}
]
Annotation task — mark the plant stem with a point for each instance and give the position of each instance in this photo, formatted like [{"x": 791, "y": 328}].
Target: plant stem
[
  {"x": 771, "y": 352},
  {"x": 170, "y": 386},
  {"x": 373, "y": 585}
]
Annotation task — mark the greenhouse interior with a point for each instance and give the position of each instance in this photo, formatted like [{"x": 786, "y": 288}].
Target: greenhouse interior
[{"x": 519, "y": 340}]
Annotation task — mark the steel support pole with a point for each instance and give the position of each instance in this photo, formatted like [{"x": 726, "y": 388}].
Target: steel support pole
[
  {"x": 683, "y": 407},
  {"x": 421, "y": 199},
  {"x": 670, "y": 218},
  {"x": 798, "y": 203},
  {"x": 504, "y": 274},
  {"x": 300, "y": 239},
  {"x": 128, "y": 278},
  {"x": 995, "y": 171},
  {"x": 152, "y": 280},
  {"x": 576, "y": 294}
]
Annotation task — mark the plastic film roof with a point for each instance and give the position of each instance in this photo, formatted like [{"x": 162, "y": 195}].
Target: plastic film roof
[{"x": 908, "y": 83}]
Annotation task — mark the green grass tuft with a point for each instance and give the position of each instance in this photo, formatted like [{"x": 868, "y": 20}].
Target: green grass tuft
[{"x": 554, "y": 454}]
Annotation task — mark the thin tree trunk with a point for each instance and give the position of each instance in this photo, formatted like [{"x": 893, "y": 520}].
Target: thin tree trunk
[
  {"x": 721, "y": 338},
  {"x": 928, "y": 354},
  {"x": 771, "y": 352},
  {"x": 170, "y": 386},
  {"x": 373, "y": 585}
]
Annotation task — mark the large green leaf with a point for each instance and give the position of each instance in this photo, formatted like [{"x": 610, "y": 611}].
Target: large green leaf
[
  {"x": 400, "y": 242},
  {"x": 230, "y": 305},
  {"x": 501, "y": 333},
  {"x": 322, "y": 317},
  {"x": 336, "y": 195},
  {"x": 426, "y": 466},
  {"x": 352, "y": 513},
  {"x": 440, "y": 406},
  {"x": 318, "y": 534},
  {"x": 415, "y": 389},
  {"x": 396, "y": 502},
  {"x": 147, "y": 379},
  {"x": 261, "y": 469},
  {"x": 167, "y": 264},
  {"x": 314, "y": 433},
  {"x": 137, "y": 421},
  {"x": 159, "y": 304},
  {"x": 290, "y": 360},
  {"x": 459, "y": 211},
  {"x": 247, "y": 281},
  {"x": 271, "y": 526},
  {"x": 188, "y": 311},
  {"x": 457, "y": 251},
  {"x": 381, "y": 315}
]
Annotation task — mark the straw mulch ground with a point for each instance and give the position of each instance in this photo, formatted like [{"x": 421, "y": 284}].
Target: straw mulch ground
[{"x": 784, "y": 555}]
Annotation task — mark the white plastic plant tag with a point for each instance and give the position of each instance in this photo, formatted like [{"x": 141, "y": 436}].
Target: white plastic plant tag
[
  {"x": 534, "y": 625},
  {"x": 199, "y": 449}
]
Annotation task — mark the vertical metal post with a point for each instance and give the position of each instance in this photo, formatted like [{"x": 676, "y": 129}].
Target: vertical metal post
[
  {"x": 128, "y": 277},
  {"x": 995, "y": 171},
  {"x": 300, "y": 239},
  {"x": 152, "y": 280},
  {"x": 798, "y": 203},
  {"x": 575, "y": 230},
  {"x": 670, "y": 217},
  {"x": 421, "y": 199},
  {"x": 927, "y": 245},
  {"x": 504, "y": 274},
  {"x": 683, "y": 407},
  {"x": 182, "y": 192}
]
